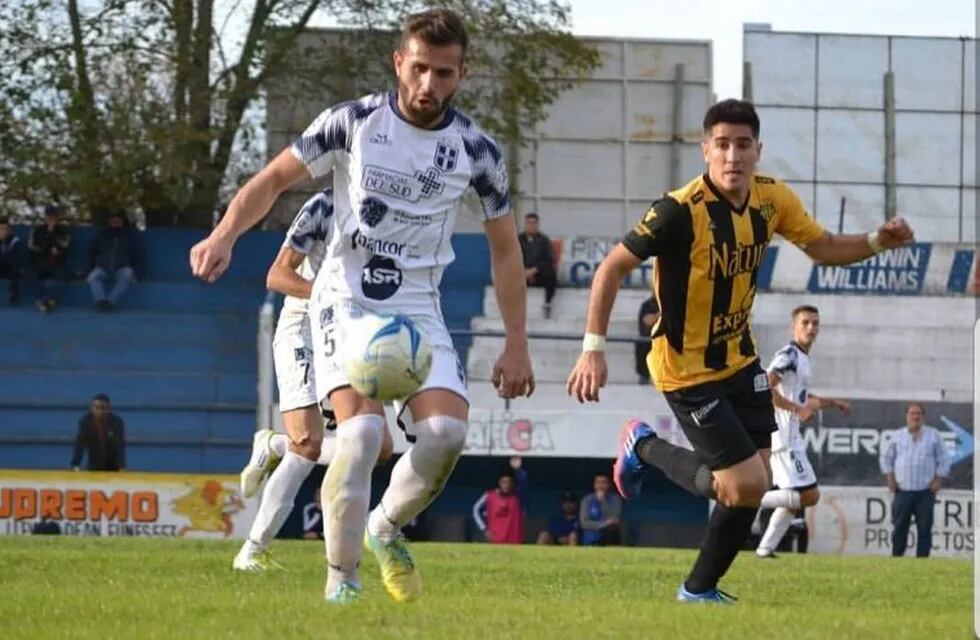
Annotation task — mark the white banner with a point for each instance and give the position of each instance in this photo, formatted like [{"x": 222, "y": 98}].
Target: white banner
[
  {"x": 123, "y": 504},
  {"x": 857, "y": 520},
  {"x": 588, "y": 434}
]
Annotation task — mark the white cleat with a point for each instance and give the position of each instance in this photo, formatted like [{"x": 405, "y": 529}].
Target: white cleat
[
  {"x": 261, "y": 464},
  {"x": 252, "y": 558}
]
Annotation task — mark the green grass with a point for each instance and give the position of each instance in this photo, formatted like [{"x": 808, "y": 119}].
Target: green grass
[{"x": 146, "y": 588}]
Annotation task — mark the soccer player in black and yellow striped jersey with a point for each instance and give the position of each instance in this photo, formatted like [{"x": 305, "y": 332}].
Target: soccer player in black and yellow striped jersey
[{"x": 708, "y": 239}]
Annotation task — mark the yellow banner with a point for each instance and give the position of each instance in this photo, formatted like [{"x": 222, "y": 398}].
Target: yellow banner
[{"x": 123, "y": 504}]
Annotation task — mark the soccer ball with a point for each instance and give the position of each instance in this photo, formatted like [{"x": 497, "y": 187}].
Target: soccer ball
[{"x": 387, "y": 357}]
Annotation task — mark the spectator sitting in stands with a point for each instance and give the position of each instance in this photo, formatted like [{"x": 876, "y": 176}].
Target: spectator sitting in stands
[
  {"x": 117, "y": 253},
  {"x": 11, "y": 260},
  {"x": 563, "y": 528},
  {"x": 649, "y": 314},
  {"x": 600, "y": 513},
  {"x": 539, "y": 260},
  {"x": 103, "y": 435},
  {"x": 499, "y": 512},
  {"x": 48, "y": 245}
]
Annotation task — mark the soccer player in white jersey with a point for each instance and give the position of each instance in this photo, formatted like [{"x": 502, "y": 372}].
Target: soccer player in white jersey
[
  {"x": 790, "y": 377},
  {"x": 401, "y": 162},
  {"x": 289, "y": 459}
]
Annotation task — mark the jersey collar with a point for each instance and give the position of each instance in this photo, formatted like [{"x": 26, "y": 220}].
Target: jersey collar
[
  {"x": 446, "y": 121},
  {"x": 799, "y": 346},
  {"x": 718, "y": 194}
]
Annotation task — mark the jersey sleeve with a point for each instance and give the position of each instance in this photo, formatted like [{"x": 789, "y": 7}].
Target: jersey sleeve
[
  {"x": 311, "y": 224},
  {"x": 793, "y": 221},
  {"x": 784, "y": 362},
  {"x": 319, "y": 146},
  {"x": 665, "y": 227},
  {"x": 489, "y": 178},
  {"x": 330, "y": 135}
]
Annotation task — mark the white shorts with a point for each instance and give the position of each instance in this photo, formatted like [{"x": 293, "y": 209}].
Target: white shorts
[
  {"x": 328, "y": 322},
  {"x": 292, "y": 352},
  {"x": 791, "y": 469}
]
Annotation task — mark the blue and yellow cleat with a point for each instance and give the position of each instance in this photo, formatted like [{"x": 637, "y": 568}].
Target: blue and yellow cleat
[
  {"x": 345, "y": 593},
  {"x": 629, "y": 471},
  {"x": 716, "y": 596},
  {"x": 398, "y": 573}
]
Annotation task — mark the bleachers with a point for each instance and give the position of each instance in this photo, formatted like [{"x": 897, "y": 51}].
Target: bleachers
[
  {"x": 881, "y": 347},
  {"x": 177, "y": 357}
]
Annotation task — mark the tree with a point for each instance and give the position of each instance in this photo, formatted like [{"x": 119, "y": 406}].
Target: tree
[{"x": 146, "y": 103}]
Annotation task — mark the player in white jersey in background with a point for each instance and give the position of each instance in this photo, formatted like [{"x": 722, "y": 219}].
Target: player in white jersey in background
[
  {"x": 401, "y": 162},
  {"x": 790, "y": 377},
  {"x": 289, "y": 459}
]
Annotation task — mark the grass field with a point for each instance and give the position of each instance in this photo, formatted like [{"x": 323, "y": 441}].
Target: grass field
[{"x": 153, "y": 588}]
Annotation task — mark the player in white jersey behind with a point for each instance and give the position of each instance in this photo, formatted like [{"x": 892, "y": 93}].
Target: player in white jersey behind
[
  {"x": 288, "y": 459},
  {"x": 790, "y": 377},
  {"x": 402, "y": 162}
]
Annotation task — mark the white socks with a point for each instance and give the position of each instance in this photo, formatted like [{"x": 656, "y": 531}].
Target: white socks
[
  {"x": 279, "y": 444},
  {"x": 778, "y": 524},
  {"x": 278, "y": 497},
  {"x": 345, "y": 495},
  {"x": 419, "y": 475},
  {"x": 788, "y": 498}
]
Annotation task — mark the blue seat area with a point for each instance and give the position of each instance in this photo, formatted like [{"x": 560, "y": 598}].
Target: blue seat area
[{"x": 178, "y": 357}]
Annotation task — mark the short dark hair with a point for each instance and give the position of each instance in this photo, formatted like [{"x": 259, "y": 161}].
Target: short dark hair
[
  {"x": 436, "y": 27},
  {"x": 915, "y": 403},
  {"x": 101, "y": 396},
  {"x": 5, "y": 221},
  {"x": 804, "y": 308},
  {"x": 532, "y": 216},
  {"x": 52, "y": 210},
  {"x": 732, "y": 111}
]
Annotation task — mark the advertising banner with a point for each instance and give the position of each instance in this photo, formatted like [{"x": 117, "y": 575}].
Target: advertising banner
[
  {"x": 123, "y": 504},
  {"x": 857, "y": 520},
  {"x": 844, "y": 450},
  {"x": 897, "y": 271}
]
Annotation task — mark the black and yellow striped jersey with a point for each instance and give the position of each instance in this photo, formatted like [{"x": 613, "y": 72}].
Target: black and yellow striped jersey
[{"x": 706, "y": 260}]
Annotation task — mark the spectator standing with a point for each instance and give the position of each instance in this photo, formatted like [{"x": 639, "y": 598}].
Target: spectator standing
[
  {"x": 914, "y": 462},
  {"x": 600, "y": 513},
  {"x": 48, "y": 246},
  {"x": 102, "y": 436},
  {"x": 499, "y": 513},
  {"x": 648, "y": 316},
  {"x": 11, "y": 260},
  {"x": 117, "y": 255},
  {"x": 563, "y": 528},
  {"x": 539, "y": 259}
]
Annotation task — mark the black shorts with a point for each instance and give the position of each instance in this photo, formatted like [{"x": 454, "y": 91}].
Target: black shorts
[{"x": 727, "y": 420}]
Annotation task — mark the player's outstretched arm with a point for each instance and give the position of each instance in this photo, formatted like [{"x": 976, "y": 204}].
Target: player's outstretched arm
[
  {"x": 282, "y": 276},
  {"x": 590, "y": 372},
  {"x": 819, "y": 402},
  {"x": 839, "y": 248},
  {"x": 210, "y": 257},
  {"x": 512, "y": 374}
]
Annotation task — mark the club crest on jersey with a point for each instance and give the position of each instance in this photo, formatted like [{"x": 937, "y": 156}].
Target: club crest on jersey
[
  {"x": 373, "y": 211},
  {"x": 768, "y": 210},
  {"x": 445, "y": 157}
]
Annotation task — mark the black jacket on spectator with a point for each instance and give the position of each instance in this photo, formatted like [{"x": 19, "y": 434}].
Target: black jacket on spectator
[
  {"x": 49, "y": 249},
  {"x": 12, "y": 252},
  {"x": 106, "y": 452},
  {"x": 115, "y": 248},
  {"x": 537, "y": 252}
]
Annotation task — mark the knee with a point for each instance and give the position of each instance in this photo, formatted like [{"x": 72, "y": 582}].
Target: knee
[
  {"x": 449, "y": 433},
  {"x": 94, "y": 275},
  {"x": 742, "y": 492},
  {"x": 810, "y": 497},
  {"x": 307, "y": 446}
]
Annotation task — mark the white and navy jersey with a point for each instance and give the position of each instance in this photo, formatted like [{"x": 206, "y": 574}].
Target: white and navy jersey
[
  {"x": 309, "y": 234},
  {"x": 792, "y": 365},
  {"x": 397, "y": 190}
]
